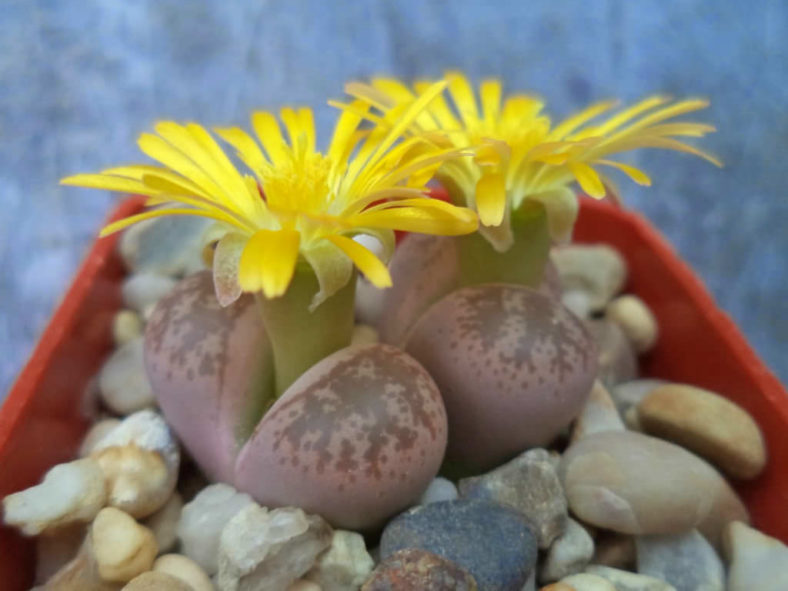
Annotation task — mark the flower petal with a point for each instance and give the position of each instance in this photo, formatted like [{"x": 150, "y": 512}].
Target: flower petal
[
  {"x": 588, "y": 179},
  {"x": 332, "y": 268},
  {"x": 368, "y": 263},
  {"x": 268, "y": 262},
  {"x": 226, "y": 265},
  {"x": 491, "y": 198}
]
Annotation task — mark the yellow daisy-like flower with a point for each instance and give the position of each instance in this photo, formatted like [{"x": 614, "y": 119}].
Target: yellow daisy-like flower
[
  {"x": 520, "y": 155},
  {"x": 297, "y": 201}
]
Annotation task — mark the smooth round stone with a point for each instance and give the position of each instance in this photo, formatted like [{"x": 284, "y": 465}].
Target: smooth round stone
[
  {"x": 514, "y": 368},
  {"x": 707, "y": 424},
  {"x": 686, "y": 561},
  {"x": 635, "y": 484},
  {"x": 757, "y": 561},
  {"x": 123, "y": 383},
  {"x": 410, "y": 569},
  {"x": 636, "y": 320},
  {"x": 145, "y": 289},
  {"x": 628, "y": 394},
  {"x": 494, "y": 543},
  {"x": 597, "y": 269},
  {"x": 440, "y": 489}
]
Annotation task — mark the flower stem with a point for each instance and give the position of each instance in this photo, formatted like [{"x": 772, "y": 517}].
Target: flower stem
[
  {"x": 523, "y": 263},
  {"x": 301, "y": 338}
]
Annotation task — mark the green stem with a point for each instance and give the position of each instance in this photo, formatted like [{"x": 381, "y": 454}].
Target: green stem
[
  {"x": 523, "y": 263},
  {"x": 300, "y": 338}
]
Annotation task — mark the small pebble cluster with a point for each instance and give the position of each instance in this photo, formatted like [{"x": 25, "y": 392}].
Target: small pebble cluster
[{"x": 632, "y": 498}]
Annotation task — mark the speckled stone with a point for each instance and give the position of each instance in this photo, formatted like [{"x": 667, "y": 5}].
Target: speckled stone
[
  {"x": 514, "y": 367},
  {"x": 528, "y": 483},
  {"x": 355, "y": 439},
  {"x": 494, "y": 543},
  {"x": 411, "y": 569}
]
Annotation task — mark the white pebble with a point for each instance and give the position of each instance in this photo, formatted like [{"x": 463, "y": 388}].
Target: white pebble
[
  {"x": 164, "y": 523},
  {"x": 144, "y": 289},
  {"x": 363, "y": 334},
  {"x": 123, "y": 382},
  {"x": 587, "y": 582},
  {"x": 440, "y": 489},
  {"x": 95, "y": 434},
  {"x": 345, "y": 565},
  {"x": 203, "y": 519},
  {"x": 126, "y": 326},
  {"x": 70, "y": 493},
  {"x": 262, "y": 550},
  {"x": 757, "y": 561},
  {"x": 569, "y": 554}
]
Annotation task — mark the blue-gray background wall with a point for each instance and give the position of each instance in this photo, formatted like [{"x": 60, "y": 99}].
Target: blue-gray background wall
[{"x": 80, "y": 79}]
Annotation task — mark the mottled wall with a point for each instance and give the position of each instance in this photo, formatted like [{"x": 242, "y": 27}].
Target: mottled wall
[{"x": 80, "y": 79}]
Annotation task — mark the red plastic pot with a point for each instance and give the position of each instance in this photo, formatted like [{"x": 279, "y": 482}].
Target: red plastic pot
[{"x": 42, "y": 420}]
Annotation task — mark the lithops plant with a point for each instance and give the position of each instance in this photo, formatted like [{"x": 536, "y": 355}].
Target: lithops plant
[
  {"x": 211, "y": 369},
  {"x": 357, "y": 437},
  {"x": 513, "y": 365},
  {"x": 218, "y": 359}
]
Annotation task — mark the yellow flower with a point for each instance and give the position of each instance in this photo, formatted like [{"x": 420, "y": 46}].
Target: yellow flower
[
  {"x": 520, "y": 155},
  {"x": 298, "y": 201}
]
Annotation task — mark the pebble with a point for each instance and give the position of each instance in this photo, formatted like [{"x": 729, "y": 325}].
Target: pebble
[
  {"x": 493, "y": 542},
  {"x": 203, "y": 519},
  {"x": 686, "y": 561},
  {"x": 164, "y": 523},
  {"x": 569, "y": 554},
  {"x": 636, "y": 320},
  {"x": 95, "y": 434},
  {"x": 303, "y": 585},
  {"x": 598, "y": 415},
  {"x": 70, "y": 493},
  {"x": 617, "y": 360},
  {"x": 127, "y": 325},
  {"x": 756, "y": 561},
  {"x": 369, "y": 302},
  {"x": 707, "y": 424},
  {"x": 528, "y": 483},
  {"x": 167, "y": 246},
  {"x": 259, "y": 549},
  {"x": 627, "y": 581},
  {"x": 142, "y": 290},
  {"x": 185, "y": 569},
  {"x": 614, "y": 550},
  {"x": 123, "y": 383},
  {"x": 440, "y": 489},
  {"x": 578, "y": 302},
  {"x": 122, "y": 547},
  {"x": 345, "y": 565},
  {"x": 79, "y": 574},
  {"x": 599, "y": 270},
  {"x": 412, "y": 568},
  {"x": 140, "y": 460},
  {"x": 156, "y": 581},
  {"x": 636, "y": 484},
  {"x": 588, "y": 582}
]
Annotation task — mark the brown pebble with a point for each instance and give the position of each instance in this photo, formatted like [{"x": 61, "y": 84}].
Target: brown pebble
[
  {"x": 614, "y": 550},
  {"x": 412, "y": 568},
  {"x": 706, "y": 424}
]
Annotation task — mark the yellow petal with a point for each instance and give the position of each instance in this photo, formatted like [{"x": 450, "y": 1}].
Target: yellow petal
[
  {"x": 491, "y": 198},
  {"x": 267, "y": 129},
  {"x": 367, "y": 262},
  {"x": 248, "y": 150},
  {"x": 490, "y": 93},
  {"x": 637, "y": 175},
  {"x": 140, "y": 217},
  {"x": 462, "y": 95},
  {"x": 109, "y": 183},
  {"x": 421, "y": 220},
  {"x": 575, "y": 121},
  {"x": 588, "y": 179},
  {"x": 268, "y": 262}
]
